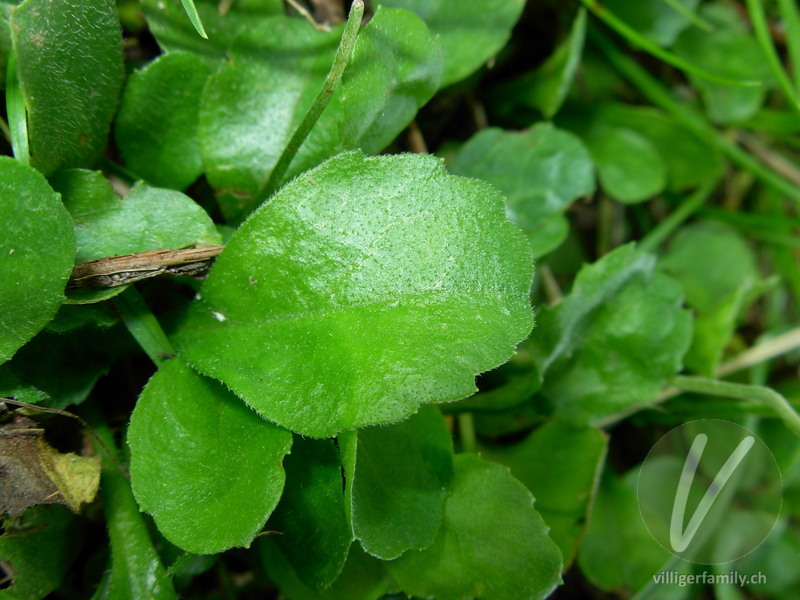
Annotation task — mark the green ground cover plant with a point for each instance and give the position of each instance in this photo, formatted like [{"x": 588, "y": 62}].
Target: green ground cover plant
[{"x": 337, "y": 300}]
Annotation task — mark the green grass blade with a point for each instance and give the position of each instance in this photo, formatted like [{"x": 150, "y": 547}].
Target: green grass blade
[
  {"x": 343, "y": 54},
  {"x": 689, "y": 15},
  {"x": 657, "y": 94},
  {"x": 17, "y": 118},
  {"x": 790, "y": 15},
  {"x": 640, "y": 41},
  {"x": 191, "y": 12},
  {"x": 738, "y": 391},
  {"x": 759, "y": 20},
  {"x": 143, "y": 326}
]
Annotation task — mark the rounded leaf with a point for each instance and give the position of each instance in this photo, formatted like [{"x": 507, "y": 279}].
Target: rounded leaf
[
  {"x": 366, "y": 287},
  {"x": 203, "y": 464},
  {"x": 37, "y": 250}
]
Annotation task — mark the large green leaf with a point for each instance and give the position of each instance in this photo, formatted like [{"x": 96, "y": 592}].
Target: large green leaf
[
  {"x": 203, "y": 464},
  {"x": 365, "y": 288},
  {"x": 541, "y": 172},
  {"x": 148, "y": 218},
  {"x": 492, "y": 545},
  {"x": 471, "y": 32},
  {"x": 37, "y": 249},
  {"x": 314, "y": 535},
  {"x": 397, "y": 480},
  {"x": 39, "y": 550},
  {"x": 69, "y": 63},
  {"x": 559, "y": 463},
  {"x": 157, "y": 126}
]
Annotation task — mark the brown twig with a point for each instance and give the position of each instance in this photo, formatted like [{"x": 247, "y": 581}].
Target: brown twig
[{"x": 115, "y": 271}]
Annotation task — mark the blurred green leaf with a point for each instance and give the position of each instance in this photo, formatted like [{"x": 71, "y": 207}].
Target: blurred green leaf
[
  {"x": 655, "y": 19},
  {"x": 629, "y": 166},
  {"x": 203, "y": 464},
  {"x": 69, "y": 64},
  {"x": 541, "y": 171},
  {"x": 731, "y": 51},
  {"x": 37, "y": 248},
  {"x": 355, "y": 295},
  {"x": 492, "y": 544},
  {"x": 590, "y": 346},
  {"x": 157, "y": 125}
]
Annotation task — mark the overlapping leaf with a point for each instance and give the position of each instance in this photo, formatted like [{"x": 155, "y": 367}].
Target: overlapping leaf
[
  {"x": 37, "y": 249},
  {"x": 203, "y": 464},
  {"x": 365, "y": 288}
]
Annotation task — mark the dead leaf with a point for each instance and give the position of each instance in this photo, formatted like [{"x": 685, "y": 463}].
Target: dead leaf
[{"x": 33, "y": 472}]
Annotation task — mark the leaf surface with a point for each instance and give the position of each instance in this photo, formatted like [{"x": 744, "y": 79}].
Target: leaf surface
[
  {"x": 69, "y": 64},
  {"x": 397, "y": 482},
  {"x": 541, "y": 171},
  {"x": 365, "y": 288},
  {"x": 492, "y": 545},
  {"x": 157, "y": 128},
  {"x": 203, "y": 464},
  {"x": 37, "y": 249}
]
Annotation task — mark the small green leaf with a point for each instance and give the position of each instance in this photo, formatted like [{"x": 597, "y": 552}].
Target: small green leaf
[
  {"x": 655, "y": 19},
  {"x": 731, "y": 51},
  {"x": 39, "y": 549},
  {"x": 204, "y": 465},
  {"x": 607, "y": 374},
  {"x": 471, "y": 32},
  {"x": 365, "y": 288},
  {"x": 630, "y": 168},
  {"x": 541, "y": 172},
  {"x": 69, "y": 64},
  {"x": 690, "y": 160},
  {"x": 559, "y": 463},
  {"x": 157, "y": 125},
  {"x": 191, "y": 12},
  {"x": 173, "y": 31},
  {"x": 363, "y": 577},
  {"x": 37, "y": 249},
  {"x": 718, "y": 272},
  {"x": 148, "y": 218},
  {"x": 397, "y": 479},
  {"x": 492, "y": 544},
  {"x": 314, "y": 533}
]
